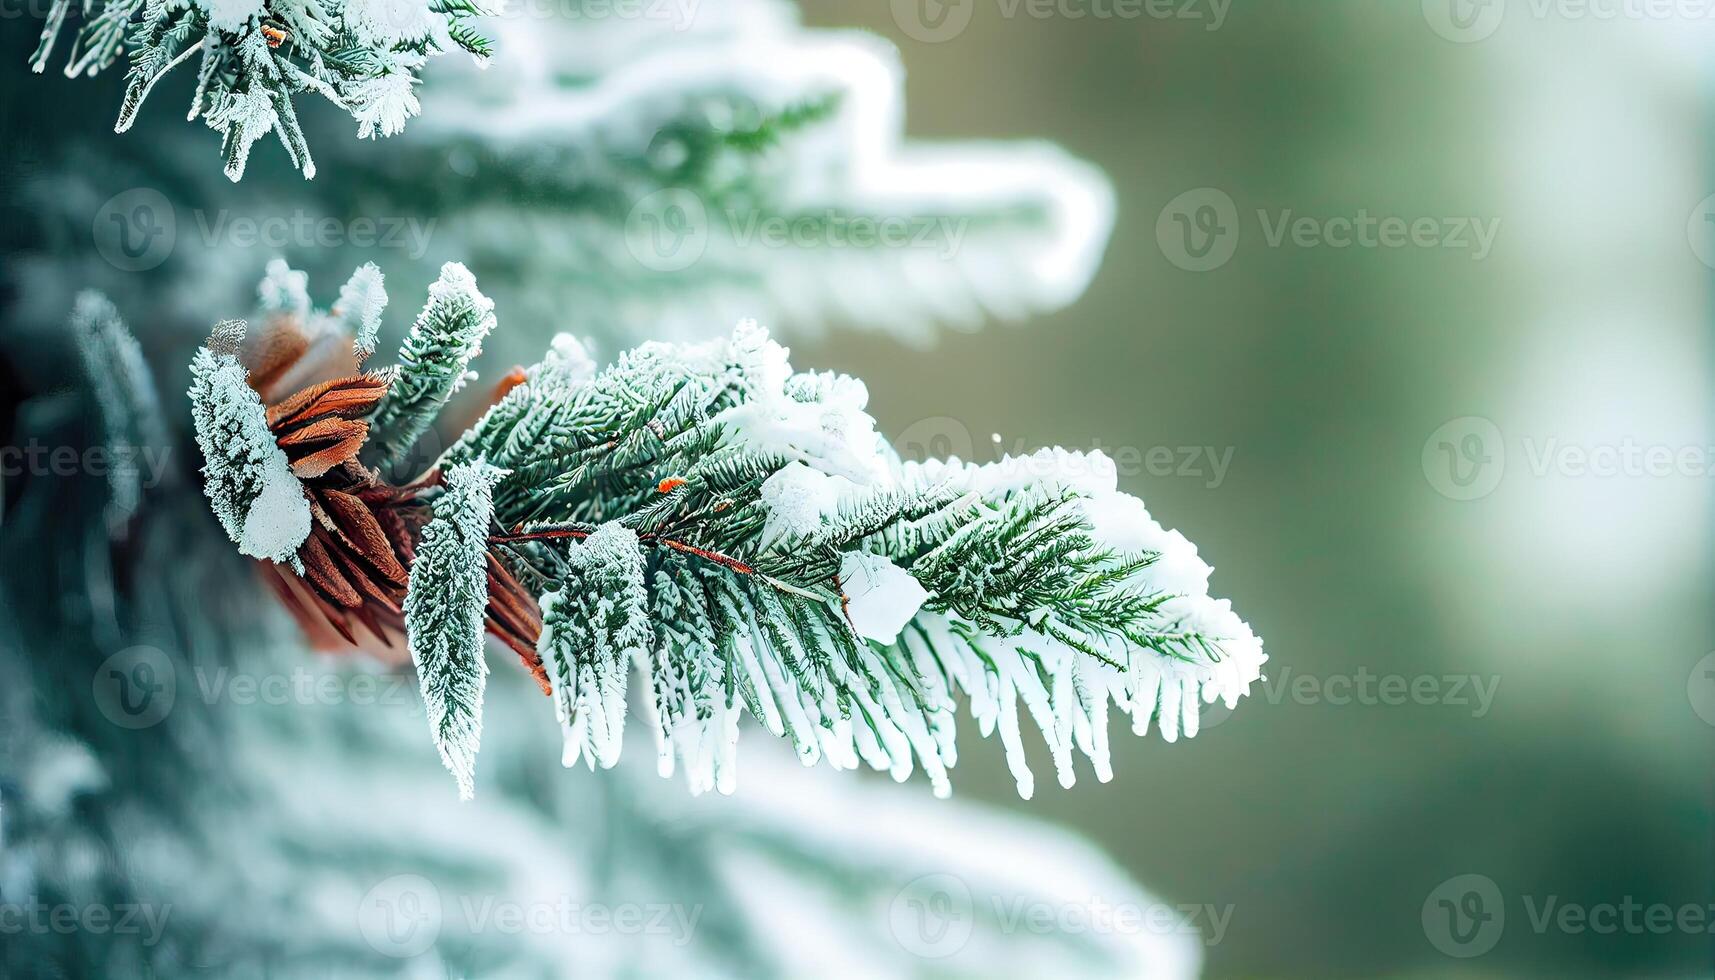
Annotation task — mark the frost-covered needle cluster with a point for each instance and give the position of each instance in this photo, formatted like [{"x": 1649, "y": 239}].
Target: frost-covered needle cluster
[
  {"x": 255, "y": 56},
  {"x": 738, "y": 535}
]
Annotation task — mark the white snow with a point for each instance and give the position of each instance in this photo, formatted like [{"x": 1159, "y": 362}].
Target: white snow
[
  {"x": 231, "y": 15},
  {"x": 248, "y": 480},
  {"x": 567, "y": 363},
  {"x": 818, "y": 419},
  {"x": 881, "y": 596},
  {"x": 384, "y": 23},
  {"x": 798, "y": 499},
  {"x": 279, "y": 518}
]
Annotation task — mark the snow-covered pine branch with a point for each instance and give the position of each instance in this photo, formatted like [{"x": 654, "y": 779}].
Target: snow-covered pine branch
[
  {"x": 740, "y": 534},
  {"x": 756, "y": 170},
  {"x": 248, "y": 480},
  {"x": 795, "y": 569},
  {"x": 444, "y": 616},
  {"x": 254, "y": 57},
  {"x": 124, "y": 394},
  {"x": 446, "y": 335}
]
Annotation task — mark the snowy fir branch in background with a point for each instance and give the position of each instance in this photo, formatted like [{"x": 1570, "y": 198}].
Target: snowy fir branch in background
[
  {"x": 733, "y": 531},
  {"x": 121, "y": 386},
  {"x": 254, "y": 57},
  {"x": 756, "y": 171},
  {"x": 625, "y": 180}
]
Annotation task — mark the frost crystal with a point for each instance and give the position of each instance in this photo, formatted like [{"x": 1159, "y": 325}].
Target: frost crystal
[
  {"x": 444, "y": 609},
  {"x": 362, "y": 301},
  {"x": 248, "y": 480},
  {"x": 881, "y": 597},
  {"x": 284, "y": 291},
  {"x": 383, "y": 103}
]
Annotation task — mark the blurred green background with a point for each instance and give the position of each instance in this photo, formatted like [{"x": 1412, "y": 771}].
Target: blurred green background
[{"x": 1584, "y": 599}]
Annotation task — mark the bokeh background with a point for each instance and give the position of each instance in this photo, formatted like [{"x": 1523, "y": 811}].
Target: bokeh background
[
  {"x": 1376, "y": 447},
  {"x": 1328, "y": 373}
]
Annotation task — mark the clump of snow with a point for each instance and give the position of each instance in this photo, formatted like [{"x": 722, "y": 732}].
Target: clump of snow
[
  {"x": 279, "y": 518},
  {"x": 817, "y": 419},
  {"x": 231, "y": 15},
  {"x": 247, "y": 477},
  {"x": 881, "y": 597},
  {"x": 798, "y": 499},
  {"x": 567, "y": 362},
  {"x": 384, "y": 23}
]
